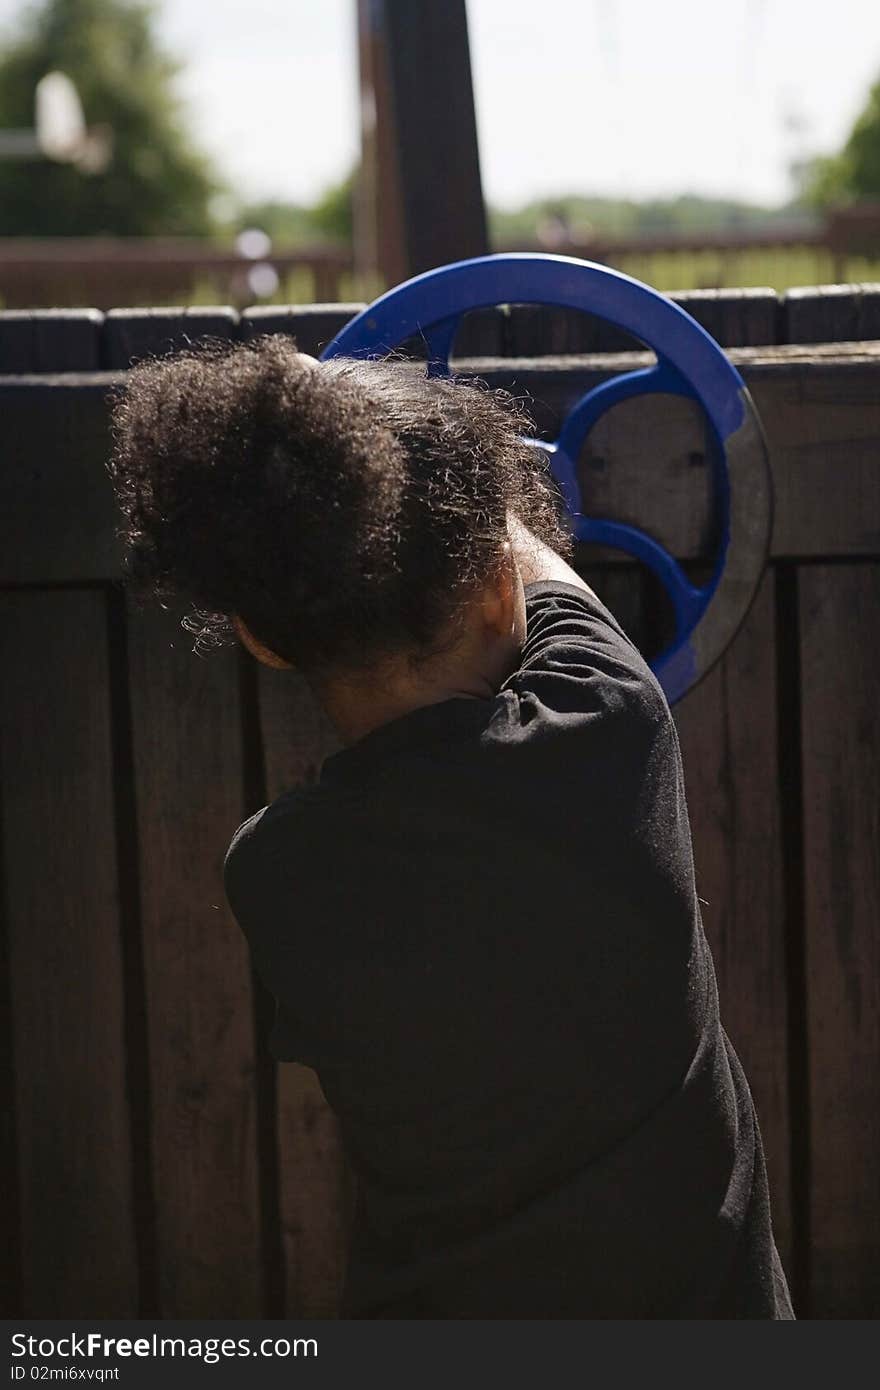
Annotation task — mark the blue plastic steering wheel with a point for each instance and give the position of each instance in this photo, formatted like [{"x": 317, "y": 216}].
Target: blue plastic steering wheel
[{"x": 689, "y": 363}]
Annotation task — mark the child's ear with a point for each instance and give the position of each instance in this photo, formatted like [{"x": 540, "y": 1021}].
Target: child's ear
[
  {"x": 499, "y": 597},
  {"x": 256, "y": 648}
]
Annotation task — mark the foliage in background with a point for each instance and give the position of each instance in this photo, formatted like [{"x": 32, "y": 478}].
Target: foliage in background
[
  {"x": 583, "y": 217},
  {"x": 332, "y": 216},
  {"x": 293, "y": 224},
  {"x": 156, "y": 183},
  {"x": 854, "y": 173},
  {"x": 287, "y": 224}
]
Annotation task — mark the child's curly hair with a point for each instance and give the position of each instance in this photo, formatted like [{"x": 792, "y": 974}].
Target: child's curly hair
[{"x": 342, "y": 509}]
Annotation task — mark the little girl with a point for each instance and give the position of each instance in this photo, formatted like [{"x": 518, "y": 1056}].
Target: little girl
[{"x": 480, "y": 924}]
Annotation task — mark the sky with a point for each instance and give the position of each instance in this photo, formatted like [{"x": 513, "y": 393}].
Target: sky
[{"x": 618, "y": 97}]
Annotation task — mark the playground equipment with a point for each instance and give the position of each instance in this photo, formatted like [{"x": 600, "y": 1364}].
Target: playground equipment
[
  {"x": 109, "y": 725},
  {"x": 689, "y": 363}
]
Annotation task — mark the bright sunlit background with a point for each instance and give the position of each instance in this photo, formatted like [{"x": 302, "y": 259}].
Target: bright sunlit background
[
  {"x": 618, "y": 119},
  {"x": 620, "y": 97}
]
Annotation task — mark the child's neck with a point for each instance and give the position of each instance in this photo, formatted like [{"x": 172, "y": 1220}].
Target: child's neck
[{"x": 356, "y": 708}]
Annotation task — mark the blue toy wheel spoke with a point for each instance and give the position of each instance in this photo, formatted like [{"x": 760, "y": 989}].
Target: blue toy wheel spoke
[
  {"x": 663, "y": 379},
  {"x": 438, "y": 339},
  {"x": 688, "y": 602}
]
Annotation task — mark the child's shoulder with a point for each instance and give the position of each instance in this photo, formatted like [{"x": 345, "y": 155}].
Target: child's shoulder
[
  {"x": 264, "y": 828},
  {"x": 577, "y": 659}
]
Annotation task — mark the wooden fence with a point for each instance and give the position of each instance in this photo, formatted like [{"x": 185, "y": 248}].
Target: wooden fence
[
  {"x": 160, "y": 1164},
  {"x": 103, "y": 271}
]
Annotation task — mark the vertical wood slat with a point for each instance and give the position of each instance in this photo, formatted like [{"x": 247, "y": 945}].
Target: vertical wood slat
[
  {"x": 132, "y": 334},
  {"x": 831, "y": 314},
  {"x": 10, "y": 1246},
  {"x": 77, "y": 1235},
  {"x": 187, "y": 758},
  {"x": 739, "y": 318},
  {"x": 838, "y": 1171},
  {"x": 312, "y": 325},
  {"x": 734, "y": 318},
  {"x": 314, "y": 1181},
  {"x": 50, "y": 340},
  {"x": 840, "y": 668},
  {"x": 727, "y": 731}
]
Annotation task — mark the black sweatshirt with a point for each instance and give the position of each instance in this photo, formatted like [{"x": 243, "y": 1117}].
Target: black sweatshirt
[{"x": 481, "y": 929}]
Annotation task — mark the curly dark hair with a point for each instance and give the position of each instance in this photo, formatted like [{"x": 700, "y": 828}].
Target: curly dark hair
[{"x": 344, "y": 509}]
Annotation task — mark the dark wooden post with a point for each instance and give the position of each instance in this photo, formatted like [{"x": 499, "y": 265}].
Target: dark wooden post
[{"x": 420, "y": 201}]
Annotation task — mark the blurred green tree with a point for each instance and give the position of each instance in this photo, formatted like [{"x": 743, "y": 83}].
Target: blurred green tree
[
  {"x": 156, "y": 183},
  {"x": 586, "y": 217},
  {"x": 329, "y": 218},
  {"x": 332, "y": 216},
  {"x": 854, "y": 173},
  {"x": 287, "y": 224}
]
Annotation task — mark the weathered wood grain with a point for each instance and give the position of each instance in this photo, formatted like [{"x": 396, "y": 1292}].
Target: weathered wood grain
[
  {"x": 734, "y": 318},
  {"x": 57, "y": 514},
  {"x": 820, "y": 408},
  {"x": 50, "y": 340},
  {"x": 186, "y": 736},
  {"x": 312, "y": 325},
  {"x": 314, "y": 1181},
  {"x": 63, "y": 920},
  {"x": 830, "y": 313},
  {"x": 622, "y": 589},
  {"x": 132, "y": 334},
  {"x": 727, "y": 730},
  {"x": 839, "y": 608}
]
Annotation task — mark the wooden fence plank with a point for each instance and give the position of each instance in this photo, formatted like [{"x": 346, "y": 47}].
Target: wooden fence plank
[
  {"x": 480, "y": 333},
  {"x": 831, "y": 314},
  {"x": 10, "y": 1248},
  {"x": 57, "y": 514},
  {"x": 131, "y": 334},
  {"x": 820, "y": 408},
  {"x": 50, "y": 340},
  {"x": 735, "y": 318},
  {"x": 78, "y": 1239},
  {"x": 622, "y": 590},
  {"x": 823, "y": 429},
  {"x": 312, "y": 325},
  {"x": 727, "y": 729},
  {"x": 186, "y": 736},
  {"x": 847, "y": 312},
  {"x": 534, "y": 330},
  {"x": 314, "y": 1182},
  {"x": 839, "y": 607}
]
